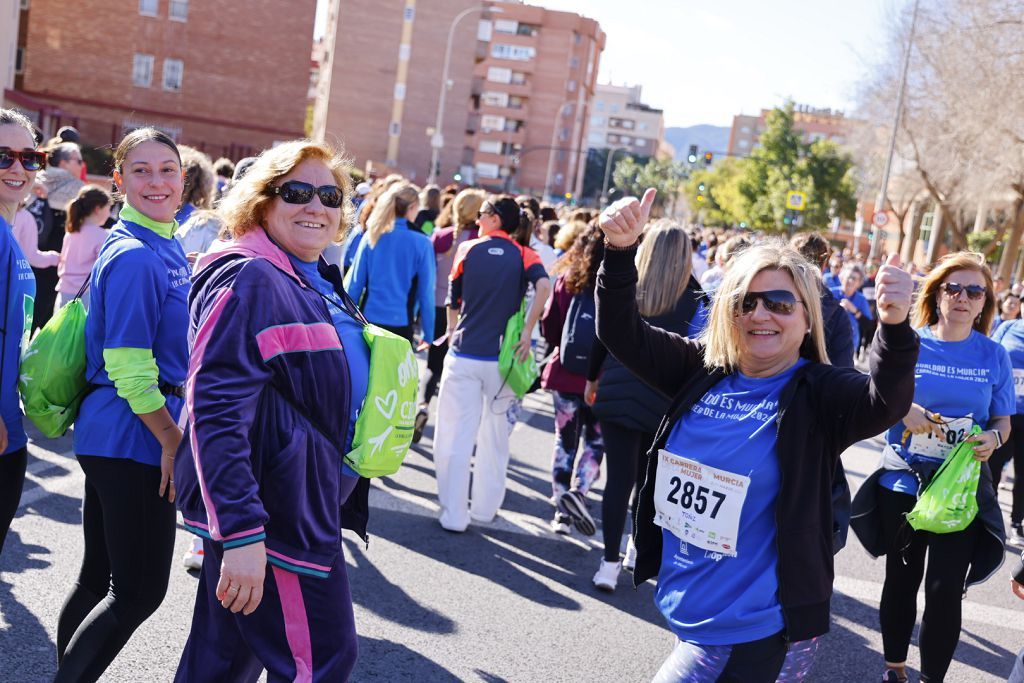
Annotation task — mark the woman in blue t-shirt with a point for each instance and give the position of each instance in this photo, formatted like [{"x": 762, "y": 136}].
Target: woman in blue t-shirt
[
  {"x": 127, "y": 429},
  {"x": 1010, "y": 334},
  {"x": 19, "y": 163},
  {"x": 963, "y": 379},
  {"x": 740, "y": 473},
  {"x": 853, "y": 302}
]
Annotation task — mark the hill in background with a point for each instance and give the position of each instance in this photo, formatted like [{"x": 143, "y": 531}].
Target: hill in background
[{"x": 705, "y": 136}]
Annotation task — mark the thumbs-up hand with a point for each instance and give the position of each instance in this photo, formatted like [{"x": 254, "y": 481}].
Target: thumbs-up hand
[
  {"x": 623, "y": 221},
  {"x": 894, "y": 288}
]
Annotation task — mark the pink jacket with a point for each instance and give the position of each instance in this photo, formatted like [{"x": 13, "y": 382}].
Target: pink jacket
[
  {"x": 26, "y": 232},
  {"x": 77, "y": 256}
]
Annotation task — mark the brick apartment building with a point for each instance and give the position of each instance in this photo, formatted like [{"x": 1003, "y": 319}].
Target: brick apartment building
[
  {"x": 815, "y": 124},
  {"x": 199, "y": 69},
  {"x": 520, "y": 77}
]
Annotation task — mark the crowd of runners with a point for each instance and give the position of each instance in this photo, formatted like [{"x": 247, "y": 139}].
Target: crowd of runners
[{"x": 248, "y": 356}]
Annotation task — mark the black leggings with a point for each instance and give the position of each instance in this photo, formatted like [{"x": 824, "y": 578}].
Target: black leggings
[
  {"x": 435, "y": 357},
  {"x": 948, "y": 558},
  {"x": 12, "y": 479},
  {"x": 129, "y": 541},
  {"x": 1013, "y": 449},
  {"x": 624, "y": 451}
]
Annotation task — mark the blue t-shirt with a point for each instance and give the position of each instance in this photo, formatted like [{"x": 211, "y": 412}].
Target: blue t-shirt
[
  {"x": 139, "y": 299},
  {"x": 709, "y": 598},
  {"x": 969, "y": 378},
  {"x": 862, "y": 305},
  {"x": 831, "y": 280},
  {"x": 357, "y": 352},
  {"x": 19, "y": 292},
  {"x": 1010, "y": 334}
]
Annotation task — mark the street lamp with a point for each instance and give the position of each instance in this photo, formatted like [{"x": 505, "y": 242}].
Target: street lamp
[
  {"x": 608, "y": 173},
  {"x": 437, "y": 139},
  {"x": 554, "y": 134}
]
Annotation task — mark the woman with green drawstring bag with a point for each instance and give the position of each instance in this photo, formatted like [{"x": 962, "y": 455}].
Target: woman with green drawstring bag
[{"x": 950, "y": 503}]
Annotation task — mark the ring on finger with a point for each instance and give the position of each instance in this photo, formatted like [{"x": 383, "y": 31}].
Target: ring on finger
[{"x": 233, "y": 589}]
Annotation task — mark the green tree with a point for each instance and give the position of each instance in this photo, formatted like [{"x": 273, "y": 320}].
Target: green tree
[
  {"x": 713, "y": 196},
  {"x": 632, "y": 177},
  {"x": 783, "y": 162}
]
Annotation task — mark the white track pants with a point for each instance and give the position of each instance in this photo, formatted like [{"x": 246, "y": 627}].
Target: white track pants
[{"x": 468, "y": 414}]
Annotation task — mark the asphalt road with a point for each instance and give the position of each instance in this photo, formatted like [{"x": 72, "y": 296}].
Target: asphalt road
[{"x": 507, "y": 601}]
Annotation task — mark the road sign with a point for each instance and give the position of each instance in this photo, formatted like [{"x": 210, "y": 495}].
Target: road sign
[
  {"x": 796, "y": 200},
  {"x": 880, "y": 219}
]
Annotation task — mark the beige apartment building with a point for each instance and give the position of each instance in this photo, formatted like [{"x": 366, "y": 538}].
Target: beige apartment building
[
  {"x": 619, "y": 119},
  {"x": 815, "y": 124},
  {"x": 10, "y": 11},
  {"x": 520, "y": 81}
]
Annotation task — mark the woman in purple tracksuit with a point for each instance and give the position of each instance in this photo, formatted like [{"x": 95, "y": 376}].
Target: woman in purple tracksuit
[{"x": 277, "y": 375}]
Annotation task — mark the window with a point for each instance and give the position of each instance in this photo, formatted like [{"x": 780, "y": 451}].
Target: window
[
  {"x": 527, "y": 30},
  {"x": 574, "y": 63},
  {"x": 576, "y": 37},
  {"x": 403, "y": 52},
  {"x": 518, "y": 53},
  {"x": 613, "y": 138},
  {"x": 491, "y": 122},
  {"x": 147, "y": 8},
  {"x": 625, "y": 139},
  {"x": 595, "y": 139},
  {"x": 516, "y": 102},
  {"x": 19, "y": 61},
  {"x": 484, "y": 30},
  {"x": 178, "y": 10},
  {"x": 571, "y": 86},
  {"x": 394, "y": 131},
  {"x": 485, "y": 170},
  {"x": 142, "y": 70},
  {"x": 494, "y": 99},
  {"x": 614, "y": 109},
  {"x": 599, "y": 105},
  {"x": 518, "y": 78},
  {"x": 173, "y": 69},
  {"x": 744, "y": 143},
  {"x": 513, "y": 125},
  {"x": 25, "y": 4},
  {"x": 508, "y": 26},
  {"x": 399, "y": 91},
  {"x": 499, "y": 75},
  {"x": 490, "y": 146},
  {"x": 745, "y": 129},
  {"x": 597, "y": 120},
  {"x": 563, "y": 134},
  {"x": 640, "y": 142},
  {"x": 642, "y": 126}
]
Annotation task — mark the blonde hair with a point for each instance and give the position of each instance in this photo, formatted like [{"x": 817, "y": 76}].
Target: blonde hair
[
  {"x": 394, "y": 203},
  {"x": 721, "y": 336},
  {"x": 244, "y": 208},
  {"x": 465, "y": 208},
  {"x": 664, "y": 264},
  {"x": 568, "y": 234},
  {"x": 926, "y": 309}
]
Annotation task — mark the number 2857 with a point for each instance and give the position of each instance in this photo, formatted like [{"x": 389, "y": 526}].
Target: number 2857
[{"x": 694, "y": 497}]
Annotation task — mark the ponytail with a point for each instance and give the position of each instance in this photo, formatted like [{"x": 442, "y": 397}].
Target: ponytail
[
  {"x": 391, "y": 205},
  {"x": 89, "y": 198}
]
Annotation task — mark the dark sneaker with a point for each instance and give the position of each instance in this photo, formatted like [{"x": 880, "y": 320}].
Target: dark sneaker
[
  {"x": 891, "y": 676},
  {"x": 575, "y": 504},
  {"x": 560, "y": 524},
  {"x": 418, "y": 424}
]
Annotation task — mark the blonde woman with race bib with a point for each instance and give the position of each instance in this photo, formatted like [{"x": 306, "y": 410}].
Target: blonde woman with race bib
[
  {"x": 739, "y": 477},
  {"x": 963, "y": 378}
]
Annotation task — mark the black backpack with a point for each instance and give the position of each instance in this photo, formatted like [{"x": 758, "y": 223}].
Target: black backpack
[{"x": 578, "y": 334}]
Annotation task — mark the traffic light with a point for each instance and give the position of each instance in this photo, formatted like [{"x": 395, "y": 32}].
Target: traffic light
[
  {"x": 701, "y": 187},
  {"x": 692, "y": 156},
  {"x": 700, "y": 198},
  {"x": 708, "y": 156},
  {"x": 457, "y": 177}
]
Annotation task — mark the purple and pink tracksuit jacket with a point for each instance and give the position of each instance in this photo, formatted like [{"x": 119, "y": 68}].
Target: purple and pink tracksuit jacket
[{"x": 267, "y": 406}]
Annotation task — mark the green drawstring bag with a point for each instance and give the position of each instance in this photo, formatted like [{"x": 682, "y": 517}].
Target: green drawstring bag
[
  {"x": 384, "y": 427},
  {"x": 52, "y": 378},
  {"x": 949, "y": 502},
  {"x": 519, "y": 375}
]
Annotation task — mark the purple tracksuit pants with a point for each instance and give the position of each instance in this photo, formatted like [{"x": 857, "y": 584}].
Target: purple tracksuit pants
[{"x": 302, "y": 631}]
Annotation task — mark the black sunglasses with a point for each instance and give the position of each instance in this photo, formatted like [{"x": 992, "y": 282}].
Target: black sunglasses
[
  {"x": 778, "y": 301},
  {"x": 298, "y": 192},
  {"x": 31, "y": 160},
  {"x": 953, "y": 290},
  {"x": 485, "y": 210}
]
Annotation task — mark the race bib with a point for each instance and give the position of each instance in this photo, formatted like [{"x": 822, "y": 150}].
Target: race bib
[
  {"x": 1018, "y": 382},
  {"x": 953, "y": 432},
  {"x": 699, "y": 504}
]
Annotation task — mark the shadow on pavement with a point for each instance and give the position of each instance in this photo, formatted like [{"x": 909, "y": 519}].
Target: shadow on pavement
[
  {"x": 28, "y": 652},
  {"x": 388, "y": 661}
]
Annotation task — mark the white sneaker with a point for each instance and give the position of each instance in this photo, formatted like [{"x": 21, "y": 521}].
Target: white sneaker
[
  {"x": 561, "y": 524},
  {"x": 629, "y": 562},
  {"x": 607, "y": 576},
  {"x": 193, "y": 558}
]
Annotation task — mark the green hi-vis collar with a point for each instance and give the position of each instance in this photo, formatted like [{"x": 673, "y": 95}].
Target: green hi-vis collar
[{"x": 165, "y": 230}]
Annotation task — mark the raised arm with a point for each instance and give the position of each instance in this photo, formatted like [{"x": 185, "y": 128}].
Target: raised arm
[{"x": 661, "y": 359}]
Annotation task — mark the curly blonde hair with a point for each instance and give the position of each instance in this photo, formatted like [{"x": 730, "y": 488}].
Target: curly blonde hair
[
  {"x": 244, "y": 208},
  {"x": 926, "y": 307}
]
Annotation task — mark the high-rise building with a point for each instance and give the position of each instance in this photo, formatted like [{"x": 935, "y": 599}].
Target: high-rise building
[
  {"x": 226, "y": 79},
  {"x": 520, "y": 79},
  {"x": 815, "y": 124},
  {"x": 531, "y": 98},
  {"x": 619, "y": 119},
  {"x": 9, "y": 15}
]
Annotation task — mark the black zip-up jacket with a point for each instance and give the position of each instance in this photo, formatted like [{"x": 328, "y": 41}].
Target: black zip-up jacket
[{"x": 822, "y": 411}]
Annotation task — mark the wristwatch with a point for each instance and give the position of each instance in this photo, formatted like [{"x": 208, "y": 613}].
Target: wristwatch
[{"x": 999, "y": 438}]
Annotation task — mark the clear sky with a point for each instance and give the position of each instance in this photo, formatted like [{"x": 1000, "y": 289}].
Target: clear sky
[{"x": 705, "y": 61}]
